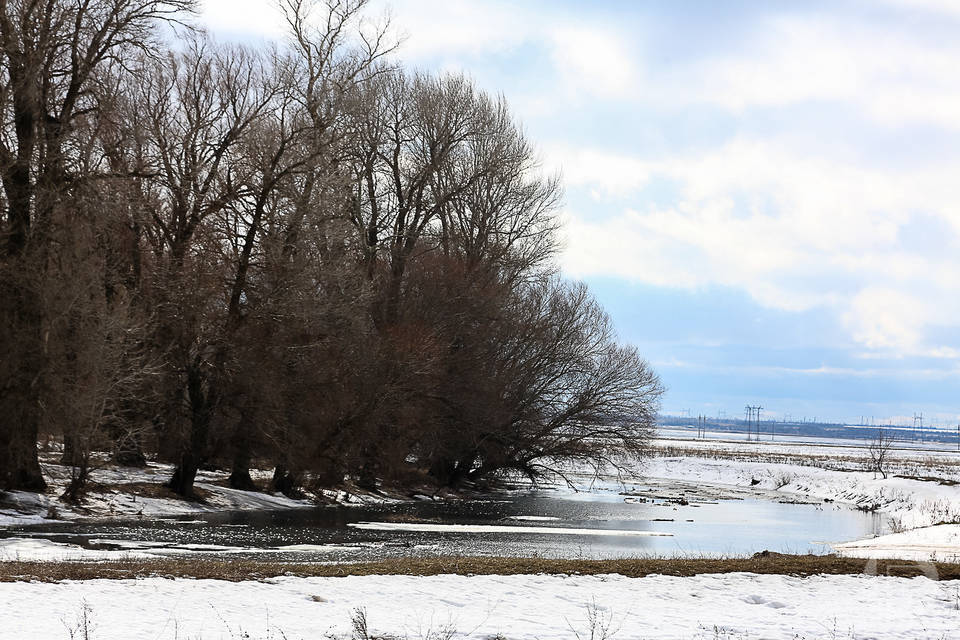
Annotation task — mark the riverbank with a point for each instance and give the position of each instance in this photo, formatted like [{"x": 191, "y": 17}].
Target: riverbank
[
  {"x": 920, "y": 496},
  {"x": 729, "y": 606},
  {"x": 233, "y": 570},
  {"x": 919, "y": 510},
  {"x": 911, "y": 502},
  {"x": 116, "y": 492}
]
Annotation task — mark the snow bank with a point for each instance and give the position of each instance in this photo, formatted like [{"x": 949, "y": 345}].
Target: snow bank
[
  {"x": 518, "y": 607},
  {"x": 22, "y": 507},
  {"x": 41, "y": 550},
  {"x": 911, "y": 503},
  {"x": 44, "y": 550},
  {"x": 492, "y": 528},
  {"x": 121, "y": 498},
  {"x": 940, "y": 543}
]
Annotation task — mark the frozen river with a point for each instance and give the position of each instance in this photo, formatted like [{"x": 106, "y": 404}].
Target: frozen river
[{"x": 650, "y": 518}]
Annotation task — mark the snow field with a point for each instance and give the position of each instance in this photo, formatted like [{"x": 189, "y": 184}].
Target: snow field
[
  {"x": 910, "y": 503},
  {"x": 737, "y": 605}
]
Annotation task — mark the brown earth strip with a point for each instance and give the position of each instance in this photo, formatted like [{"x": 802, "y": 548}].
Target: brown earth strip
[{"x": 764, "y": 563}]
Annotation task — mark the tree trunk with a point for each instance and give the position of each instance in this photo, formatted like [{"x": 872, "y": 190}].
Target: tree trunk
[
  {"x": 450, "y": 473},
  {"x": 69, "y": 449},
  {"x": 367, "y": 475},
  {"x": 21, "y": 468},
  {"x": 464, "y": 467},
  {"x": 391, "y": 303},
  {"x": 20, "y": 334},
  {"x": 201, "y": 406},
  {"x": 442, "y": 470},
  {"x": 184, "y": 474},
  {"x": 78, "y": 480},
  {"x": 286, "y": 482},
  {"x": 240, "y": 471}
]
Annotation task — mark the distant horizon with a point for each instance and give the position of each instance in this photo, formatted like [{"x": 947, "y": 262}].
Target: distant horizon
[
  {"x": 899, "y": 422},
  {"x": 763, "y": 196}
]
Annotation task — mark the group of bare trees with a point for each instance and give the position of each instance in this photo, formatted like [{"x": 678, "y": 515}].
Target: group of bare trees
[{"x": 301, "y": 255}]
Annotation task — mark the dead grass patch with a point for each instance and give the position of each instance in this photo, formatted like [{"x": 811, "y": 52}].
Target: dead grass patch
[
  {"x": 150, "y": 490},
  {"x": 239, "y": 570}
]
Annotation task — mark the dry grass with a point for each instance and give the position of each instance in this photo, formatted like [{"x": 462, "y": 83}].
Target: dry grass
[
  {"x": 152, "y": 490},
  {"x": 238, "y": 570}
]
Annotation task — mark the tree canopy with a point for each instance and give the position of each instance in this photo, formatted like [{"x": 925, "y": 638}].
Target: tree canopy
[{"x": 302, "y": 256}]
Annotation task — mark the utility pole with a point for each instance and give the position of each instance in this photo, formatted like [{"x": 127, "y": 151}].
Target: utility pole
[{"x": 751, "y": 415}]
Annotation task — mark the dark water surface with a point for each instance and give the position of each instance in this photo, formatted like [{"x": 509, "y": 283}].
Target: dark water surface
[{"x": 702, "y": 522}]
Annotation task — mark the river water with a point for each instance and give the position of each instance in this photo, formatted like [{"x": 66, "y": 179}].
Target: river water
[{"x": 660, "y": 519}]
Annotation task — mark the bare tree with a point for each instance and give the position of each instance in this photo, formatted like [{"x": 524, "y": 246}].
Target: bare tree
[
  {"x": 195, "y": 107},
  {"x": 52, "y": 53},
  {"x": 563, "y": 389},
  {"x": 302, "y": 256},
  {"x": 531, "y": 377},
  {"x": 296, "y": 192},
  {"x": 411, "y": 131},
  {"x": 879, "y": 449},
  {"x": 504, "y": 221}
]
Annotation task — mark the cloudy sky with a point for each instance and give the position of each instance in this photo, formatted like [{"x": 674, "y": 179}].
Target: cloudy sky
[{"x": 764, "y": 195}]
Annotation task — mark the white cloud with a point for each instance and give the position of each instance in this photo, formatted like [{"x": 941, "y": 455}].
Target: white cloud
[
  {"x": 885, "y": 318},
  {"x": 796, "y": 232},
  {"x": 252, "y": 18},
  {"x": 823, "y": 370},
  {"x": 945, "y": 7},
  {"x": 589, "y": 59},
  {"x": 605, "y": 174},
  {"x": 797, "y": 215},
  {"x": 593, "y": 61},
  {"x": 455, "y": 28},
  {"x": 890, "y": 76}
]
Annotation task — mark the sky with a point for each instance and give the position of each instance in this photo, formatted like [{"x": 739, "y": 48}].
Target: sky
[{"x": 765, "y": 196}]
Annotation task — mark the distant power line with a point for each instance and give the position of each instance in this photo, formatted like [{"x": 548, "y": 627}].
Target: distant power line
[{"x": 752, "y": 418}]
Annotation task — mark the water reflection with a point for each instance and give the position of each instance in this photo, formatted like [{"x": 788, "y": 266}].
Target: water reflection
[{"x": 688, "y": 520}]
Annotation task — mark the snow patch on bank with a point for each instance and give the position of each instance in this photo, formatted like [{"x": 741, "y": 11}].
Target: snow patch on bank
[
  {"x": 493, "y": 528},
  {"x": 44, "y": 550},
  {"x": 940, "y": 543},
  {"x": 41, "y": 550},
  {"x": 122, "y": 496}
]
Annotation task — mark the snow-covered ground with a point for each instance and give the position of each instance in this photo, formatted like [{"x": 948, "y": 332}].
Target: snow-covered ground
[
  {"x": 512, "y": 529},
  {"x": 118, "y": 492},
  {"x": 913, "y": 505},
  {"x": 836, "y": 454},
  {"x": 18, "y": 549},
  {"x": 728, "y": 606},
  {"x": 939, "y": 543},
  {"x": 675, "y": 432}
]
